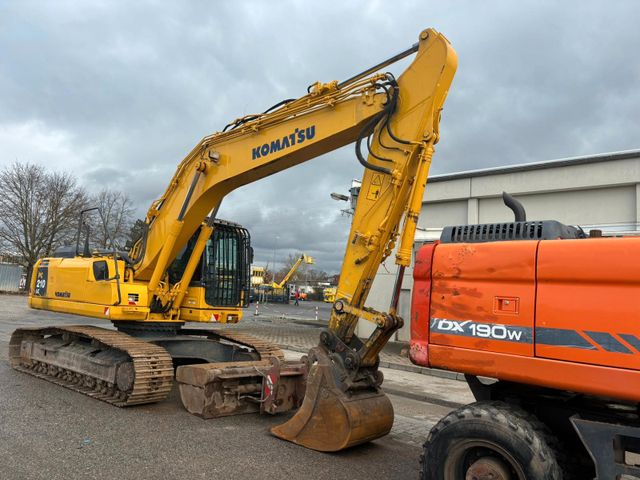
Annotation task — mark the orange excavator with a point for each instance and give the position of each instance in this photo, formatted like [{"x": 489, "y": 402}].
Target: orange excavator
[{"x": 544, "y": 321}]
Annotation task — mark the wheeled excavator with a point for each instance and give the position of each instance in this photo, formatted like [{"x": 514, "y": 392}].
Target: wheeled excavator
[
  {"x": 148, "y": 292},
  {"x": 542, "y": 319}
]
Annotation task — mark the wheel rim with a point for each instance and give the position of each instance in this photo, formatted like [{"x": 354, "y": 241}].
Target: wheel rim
[{"x": 481, "y": 460}]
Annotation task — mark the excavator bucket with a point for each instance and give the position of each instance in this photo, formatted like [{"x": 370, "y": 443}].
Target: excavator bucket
[{"x": 330, "y": 420}]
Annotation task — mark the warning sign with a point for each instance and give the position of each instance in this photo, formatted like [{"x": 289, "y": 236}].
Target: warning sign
[{"x": 375, "y": 187}]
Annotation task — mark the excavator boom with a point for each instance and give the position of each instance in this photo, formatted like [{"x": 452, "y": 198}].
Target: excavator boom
[{"x": 303, "y": 258}]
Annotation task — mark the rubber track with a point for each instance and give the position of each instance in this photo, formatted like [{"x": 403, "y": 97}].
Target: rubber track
[{"x": 152, "y": 365}]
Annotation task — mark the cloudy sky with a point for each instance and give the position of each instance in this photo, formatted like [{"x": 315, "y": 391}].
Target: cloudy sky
[{"x": 119, "y": 92}]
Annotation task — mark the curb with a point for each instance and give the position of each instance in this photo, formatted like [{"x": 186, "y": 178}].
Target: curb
[
  {"x": 433, "y": 372},
  {"x": 296, "y": 320},
  {"x": 420, "y": 397},
  {"x": 388, "y": 386}
]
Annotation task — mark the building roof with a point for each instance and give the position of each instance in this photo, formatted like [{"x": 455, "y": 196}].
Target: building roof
[{"x": 523, "y": 167}]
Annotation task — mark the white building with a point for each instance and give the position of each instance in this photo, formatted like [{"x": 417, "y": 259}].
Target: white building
[{"x": 598, "y": 191}]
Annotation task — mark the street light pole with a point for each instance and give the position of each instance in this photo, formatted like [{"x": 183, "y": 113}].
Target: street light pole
[{"x": 275, "y": 248}]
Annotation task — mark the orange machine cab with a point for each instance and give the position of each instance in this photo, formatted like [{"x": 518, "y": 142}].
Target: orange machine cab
[{"x": 542, "y": 305}]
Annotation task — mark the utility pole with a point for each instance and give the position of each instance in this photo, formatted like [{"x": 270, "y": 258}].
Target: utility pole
[{"x": 275, "y": 248}]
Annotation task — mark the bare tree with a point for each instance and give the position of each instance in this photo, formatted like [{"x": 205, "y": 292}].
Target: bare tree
[
  {"x": 38, "y": 210},
  {"x": 117, "y": 211},
  {"x": 268, "y": 274},
  {"x": 135, "y": 232}
]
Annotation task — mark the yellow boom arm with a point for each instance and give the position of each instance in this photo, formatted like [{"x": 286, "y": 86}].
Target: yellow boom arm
[
  {"x": 303, "y": 258},
  {"x": 330, "y": 116},
  {"x": 398, "y": 121}
]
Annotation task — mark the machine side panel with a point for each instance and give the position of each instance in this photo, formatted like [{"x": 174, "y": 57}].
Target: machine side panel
[
  {"x": 196, "y": 309},
  {"x": 598, "y": 380},
  {"x": 483, "y": 296},
  {"x": 73, "y": 279},
  {"x": 421, "y": 306},
  {"x": 69, "y": 285},
  {"x": 587, "y": 301}
]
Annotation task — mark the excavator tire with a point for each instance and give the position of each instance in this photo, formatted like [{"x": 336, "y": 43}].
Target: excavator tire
[
  {"x": 104, "y": 364},
  {"x": 491, "y": 440}
]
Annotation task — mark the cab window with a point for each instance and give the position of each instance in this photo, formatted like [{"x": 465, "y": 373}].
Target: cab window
[{"x": 101, "y": 270}]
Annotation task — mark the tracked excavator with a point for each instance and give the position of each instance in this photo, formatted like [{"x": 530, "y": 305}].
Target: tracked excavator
[{"x": 148, "y": 293}]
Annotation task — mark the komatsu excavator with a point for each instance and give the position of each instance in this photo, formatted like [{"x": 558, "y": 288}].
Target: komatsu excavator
[{"x": 149, "y": 297}]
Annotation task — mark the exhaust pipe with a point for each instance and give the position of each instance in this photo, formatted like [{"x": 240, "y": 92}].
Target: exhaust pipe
[{"x": 516, "y": 207}]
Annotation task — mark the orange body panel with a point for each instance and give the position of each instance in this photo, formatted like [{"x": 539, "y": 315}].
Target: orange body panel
[
  {"x": 592, "y": 286},
  {"x": 577, "y": 377},
  {"x": 570, "y": 310},
  {"x": 492, "y": 284}
]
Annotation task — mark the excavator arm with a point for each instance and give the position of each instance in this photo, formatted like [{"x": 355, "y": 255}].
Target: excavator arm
[
  {"x": 399, "y": 119},
  {"x": 344, "y": 404},
  {"x": 303, "y": 258}
]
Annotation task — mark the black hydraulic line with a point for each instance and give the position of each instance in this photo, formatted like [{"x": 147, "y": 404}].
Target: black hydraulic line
[
  {"x": 242, "y": 121},
  {"x": 187, "y": 199},
  {"x": 143, "y": 247},
  {"x": 279, "y": 104},
  {"x": 382, "y": 159},
  {"x": 396, "y": 289},
  {"x": 381, "y": 65},
  {"x": 365, "y": 133},
  {"x": 392, "y": 108},
  {"x": 394, "y": 138}
]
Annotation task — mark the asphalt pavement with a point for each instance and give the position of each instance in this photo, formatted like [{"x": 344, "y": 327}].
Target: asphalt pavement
[{"x": 48, "y": 432}]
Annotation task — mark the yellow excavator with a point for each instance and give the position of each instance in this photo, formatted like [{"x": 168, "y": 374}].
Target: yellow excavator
[
  {"x": 148, "y": 292},
  {"x": 277, "y": 289},
  {"x": 329, "y": 294},
  {"x": 303, "y": 258}
]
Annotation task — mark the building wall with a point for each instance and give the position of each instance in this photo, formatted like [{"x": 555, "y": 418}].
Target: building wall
[
  {"x": 601, "y": 191},
  {"x": 10, "y": 275}
]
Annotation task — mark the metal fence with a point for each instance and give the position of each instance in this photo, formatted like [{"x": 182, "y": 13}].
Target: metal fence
[{"x": 10, "y": 275}]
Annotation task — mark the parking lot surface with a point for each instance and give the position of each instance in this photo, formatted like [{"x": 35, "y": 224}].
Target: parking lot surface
[{"x": 48, "y": 432}]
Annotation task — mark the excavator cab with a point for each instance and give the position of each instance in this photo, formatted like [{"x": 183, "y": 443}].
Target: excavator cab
[{"x": 222, "y": 280}]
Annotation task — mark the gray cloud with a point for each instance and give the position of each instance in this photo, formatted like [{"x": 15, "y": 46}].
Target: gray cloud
[{"x": 119, "y": 92}]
